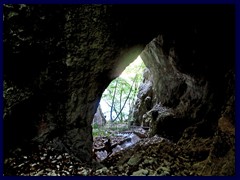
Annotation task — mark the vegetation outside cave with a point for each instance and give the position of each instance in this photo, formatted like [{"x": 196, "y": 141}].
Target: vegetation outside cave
[{"x": 114, "y": 113}]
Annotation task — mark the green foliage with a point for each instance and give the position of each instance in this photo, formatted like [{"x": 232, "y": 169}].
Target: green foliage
[
  {"x": 120, "y": 97},
  {"x": 100, "y": 132},
  {"x": 108, "y": 129},
  {"x": 121, "y": 93}
]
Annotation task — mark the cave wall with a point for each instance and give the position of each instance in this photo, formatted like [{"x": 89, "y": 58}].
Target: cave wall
[
  {"x": 58, "y": 59},
  {"x": 188, "y": 70},
  {"x": 188, "y": 91}
]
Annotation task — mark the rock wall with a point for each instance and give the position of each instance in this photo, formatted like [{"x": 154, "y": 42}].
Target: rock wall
[
  {"x": 188, "y": 91},
  {"x": 186, "y": 76},
  {"x": 144, "y": 101},
  {"x": 58, "y": 59},
  {"x": 177, "y": 99}
]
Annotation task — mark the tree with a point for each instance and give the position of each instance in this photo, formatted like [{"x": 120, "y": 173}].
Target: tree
[{"x": 121, "y": 93}]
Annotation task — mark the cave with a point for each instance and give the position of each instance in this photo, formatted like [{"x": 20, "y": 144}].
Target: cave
[
  {"x": 117, "y": 100},
  {"x": 59, "y": 59}
]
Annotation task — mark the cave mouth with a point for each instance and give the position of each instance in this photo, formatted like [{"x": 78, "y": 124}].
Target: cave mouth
[
  {"x": 112, "y": 128},
  {"x": 115, "y": 109}
]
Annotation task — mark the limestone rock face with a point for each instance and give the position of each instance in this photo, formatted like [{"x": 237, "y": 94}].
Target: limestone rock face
[
  {"x": 187, "y": 98},
  {"x": 58, "y": 60},
  {"x": 144, "y": 100},
  {"x": 182, "y": 91},
  {"x": 175, "y": 97}
]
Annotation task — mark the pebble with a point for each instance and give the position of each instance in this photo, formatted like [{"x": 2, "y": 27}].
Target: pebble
[
  {"x": 21, "y": 165},
  {"x": 84, "y": 172},
  {"x": 120, "y": 168},
  {"x": 59, "y": 157},
  {"x": 66, "y": 172},
  {"x": 34, "y": 164},
  {"x": 141, "y": 172},
  {"x": 39, "y": 173},
  {"x": 141, "y": 161},
  {"x": 48, "y": 169}
]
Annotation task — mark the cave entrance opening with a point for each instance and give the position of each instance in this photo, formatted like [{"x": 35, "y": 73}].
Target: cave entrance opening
[{"x": 115, "y": 111}]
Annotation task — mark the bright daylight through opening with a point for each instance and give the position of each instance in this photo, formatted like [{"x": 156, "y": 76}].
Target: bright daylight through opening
[{"x": 116, "y": 106}]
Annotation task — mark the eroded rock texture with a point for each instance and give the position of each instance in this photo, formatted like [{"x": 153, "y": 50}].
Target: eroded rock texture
[
  {"x": 57, "y": 62},
  {"x": 59, "y": 59},
  {"x": 188, "y": 89}
]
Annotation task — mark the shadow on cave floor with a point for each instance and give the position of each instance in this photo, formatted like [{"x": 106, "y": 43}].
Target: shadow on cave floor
[
  {"x": 132, "y": 153},
  {"x": 123, "y": 150}
]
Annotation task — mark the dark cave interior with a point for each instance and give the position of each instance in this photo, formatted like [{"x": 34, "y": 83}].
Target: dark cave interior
[{"x": 58, "y": 60}]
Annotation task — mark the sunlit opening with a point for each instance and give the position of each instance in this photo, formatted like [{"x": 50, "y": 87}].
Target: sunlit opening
[
  {"x": 121, "y": 93},
  {"x": 116, "y": 105}
]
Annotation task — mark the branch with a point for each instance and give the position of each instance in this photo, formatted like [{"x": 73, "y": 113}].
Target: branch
[
  {"x": 126, "y": 98},
  {"x": 114, "y": 94}
]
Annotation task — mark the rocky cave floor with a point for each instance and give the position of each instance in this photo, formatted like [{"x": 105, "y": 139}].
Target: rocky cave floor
[{"x": 153, "y": 156}]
